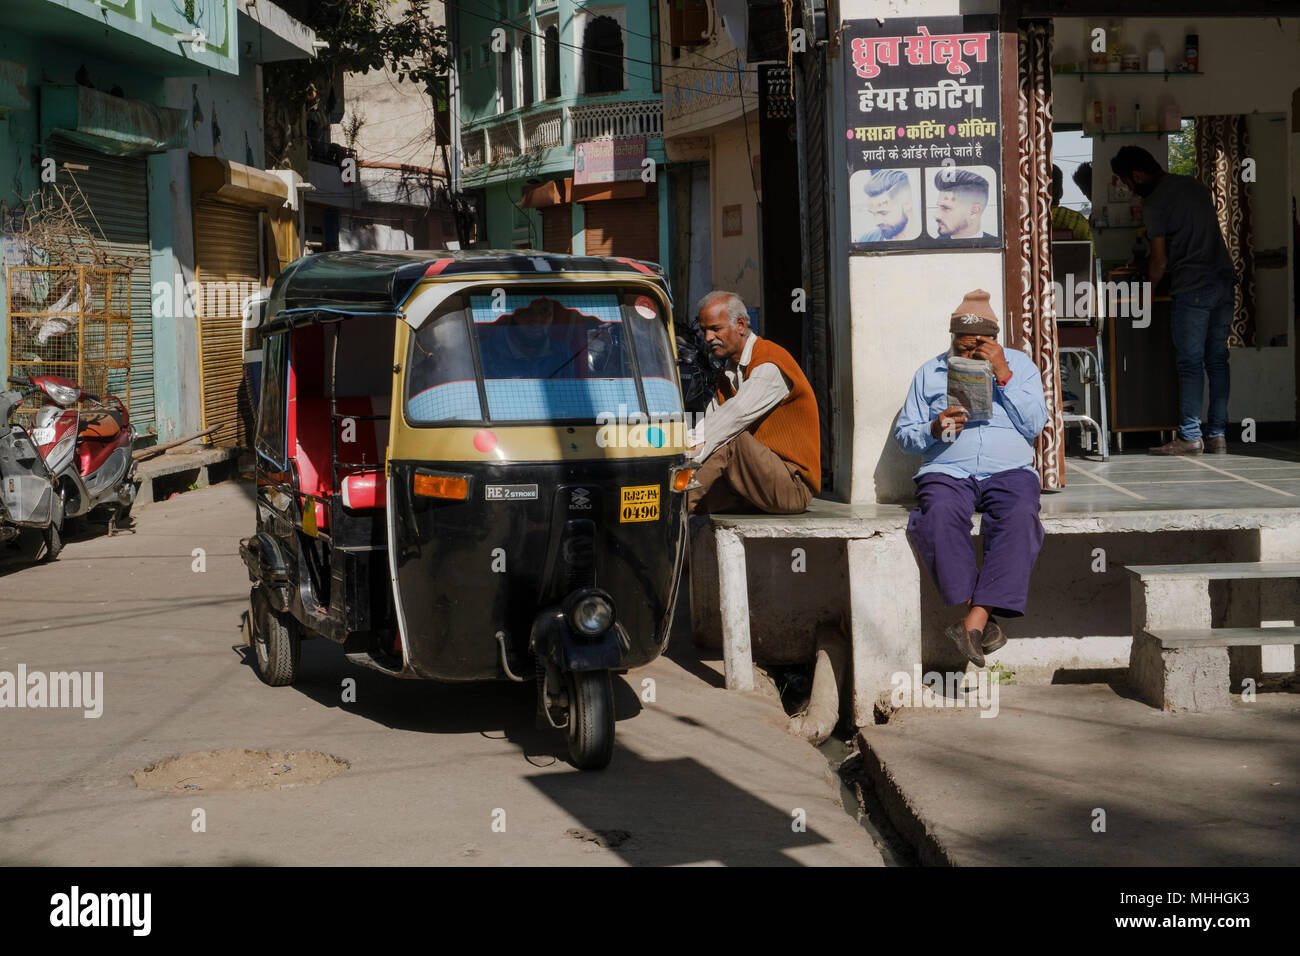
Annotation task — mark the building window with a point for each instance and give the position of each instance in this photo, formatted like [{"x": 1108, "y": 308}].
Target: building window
[
  {"x": 655, "y": 75},
  {"x": 551, "y": 53},
  {"x": 467, "y": 61},
  {"x": 484, "y": 55},
  {"x": 505, "y": 81},
  {"x": 688, "y": 22},
  {"x": 602, "y": 56},
  {"x": 526, "y": 68}
]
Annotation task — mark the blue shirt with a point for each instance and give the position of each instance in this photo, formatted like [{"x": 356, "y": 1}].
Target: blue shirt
[{"x": 980, "y": 450}]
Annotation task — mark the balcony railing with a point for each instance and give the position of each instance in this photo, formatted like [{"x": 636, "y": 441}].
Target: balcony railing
[
  {"x": 617, "y": 120},
  {"x": 543, "y": 131},
  {"x": 534, "y": 133}
]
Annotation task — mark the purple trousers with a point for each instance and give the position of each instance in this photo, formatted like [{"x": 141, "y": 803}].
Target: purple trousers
[{"x": 939, "y": 529}]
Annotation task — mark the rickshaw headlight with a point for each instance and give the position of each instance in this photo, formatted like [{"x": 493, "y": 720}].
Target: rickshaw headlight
[{"x": 592, "y": 615}]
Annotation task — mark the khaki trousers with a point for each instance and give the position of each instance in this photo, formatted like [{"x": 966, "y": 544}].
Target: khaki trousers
[{"x": 745, "y": 472}]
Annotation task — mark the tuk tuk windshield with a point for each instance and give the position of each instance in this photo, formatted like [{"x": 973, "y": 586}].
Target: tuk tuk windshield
[{"x": 543, "y": 356}]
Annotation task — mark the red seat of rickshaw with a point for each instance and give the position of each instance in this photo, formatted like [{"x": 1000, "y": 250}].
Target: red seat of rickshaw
[{"x": 362, "y": 486}]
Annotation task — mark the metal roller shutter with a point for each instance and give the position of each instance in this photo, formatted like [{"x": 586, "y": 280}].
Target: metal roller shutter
[
  {"x": 624, "y": 227},
  {"x": 116, "y": 189},
  {"x": 557, "y": 228},
  {"x": 226, "y": 252}
]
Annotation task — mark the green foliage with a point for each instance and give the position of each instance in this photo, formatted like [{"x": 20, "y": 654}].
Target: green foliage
[
  {"x": 1001, "y": 675},
  {"x": 362, "y": 36},
  {"x": 1182, "y": 149}
]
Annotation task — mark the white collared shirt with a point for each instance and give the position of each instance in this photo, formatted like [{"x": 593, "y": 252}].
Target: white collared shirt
[{"x": 754, "y": 397}]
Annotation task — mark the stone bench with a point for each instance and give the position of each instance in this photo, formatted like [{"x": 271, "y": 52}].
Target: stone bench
[
  {"x": 884, "y": 580},
  {"x": 1178, "y": 661}
]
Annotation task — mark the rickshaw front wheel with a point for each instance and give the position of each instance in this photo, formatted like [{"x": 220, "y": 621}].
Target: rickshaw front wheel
[
  {"x": 277, "y": 645},
  {"x": 591, "y": 719}
]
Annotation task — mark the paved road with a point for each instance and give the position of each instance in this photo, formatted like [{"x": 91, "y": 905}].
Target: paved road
[{"x": 700, "y": 776}]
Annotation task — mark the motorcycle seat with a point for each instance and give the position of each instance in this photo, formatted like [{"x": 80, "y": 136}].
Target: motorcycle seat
[{"x": 101, "y": 425}]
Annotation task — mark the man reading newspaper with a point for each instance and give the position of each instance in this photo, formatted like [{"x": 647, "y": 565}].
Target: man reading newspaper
[{"x": 968, "y": 467}]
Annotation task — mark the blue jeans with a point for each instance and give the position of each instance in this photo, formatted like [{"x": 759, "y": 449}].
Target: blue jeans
[{"x": 1202, "y": 319}]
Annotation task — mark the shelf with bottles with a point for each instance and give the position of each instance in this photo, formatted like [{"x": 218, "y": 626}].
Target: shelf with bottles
[
  {"x": 1165, "y": 73},
  {"x": 1102, "y": 134}
]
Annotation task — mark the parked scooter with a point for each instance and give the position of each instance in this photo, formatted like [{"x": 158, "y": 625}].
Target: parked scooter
[
  {"x": 87, "y": 450},
  {"x": 29, "y": 504}
]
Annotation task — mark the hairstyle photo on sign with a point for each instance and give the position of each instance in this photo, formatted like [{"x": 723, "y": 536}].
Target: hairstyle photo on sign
[
  {"x": 884, "y": 205},
  {"x": 962, "y": 202}
]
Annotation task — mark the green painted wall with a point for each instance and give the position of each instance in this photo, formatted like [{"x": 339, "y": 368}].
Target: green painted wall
[{"x": 21, "y": 150}]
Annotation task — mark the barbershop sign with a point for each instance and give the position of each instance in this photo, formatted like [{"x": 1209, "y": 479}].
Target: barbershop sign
[{"x": 923, "y": 132}]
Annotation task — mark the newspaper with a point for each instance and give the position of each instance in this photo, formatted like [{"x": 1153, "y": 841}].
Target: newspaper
[{"x": 970, "y": 386}]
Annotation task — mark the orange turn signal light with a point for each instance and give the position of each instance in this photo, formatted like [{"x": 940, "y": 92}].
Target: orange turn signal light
[
  {"x": 682, "y": 478},
  {"x": 441, "y": 486}
]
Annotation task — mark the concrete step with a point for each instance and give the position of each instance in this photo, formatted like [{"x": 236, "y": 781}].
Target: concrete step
[
  {"x": 1174, "y": 638},
  {"x": 1224, "y": 570},
  {"x": 179, "y": 468}
]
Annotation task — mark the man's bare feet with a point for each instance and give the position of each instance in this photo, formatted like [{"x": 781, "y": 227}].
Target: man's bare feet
[{"x": 976, "y": 618}]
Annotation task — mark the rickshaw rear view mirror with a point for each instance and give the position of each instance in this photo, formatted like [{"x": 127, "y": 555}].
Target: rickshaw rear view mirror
[{"x": 454, "y": 487}]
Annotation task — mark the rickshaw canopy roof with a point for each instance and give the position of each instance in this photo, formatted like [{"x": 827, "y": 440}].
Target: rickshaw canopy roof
[{"x": 333, "y": 285}]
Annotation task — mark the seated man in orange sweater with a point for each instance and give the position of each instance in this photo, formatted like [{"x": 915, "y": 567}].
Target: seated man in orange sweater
[{"x": 759, "y": 442}]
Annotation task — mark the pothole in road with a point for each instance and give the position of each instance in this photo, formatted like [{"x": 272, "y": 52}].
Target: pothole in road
[{"x": 239, "y": 771}]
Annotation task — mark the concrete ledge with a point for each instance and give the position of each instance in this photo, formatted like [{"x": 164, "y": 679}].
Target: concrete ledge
[
  {"x": 837, "y": 519},
  {"x": 177, "y": 469}
]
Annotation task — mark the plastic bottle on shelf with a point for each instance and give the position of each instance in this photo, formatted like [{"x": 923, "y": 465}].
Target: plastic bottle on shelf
[
  {"x": 1137, "y": 117},
  {"x": 1192, "y": 53}
]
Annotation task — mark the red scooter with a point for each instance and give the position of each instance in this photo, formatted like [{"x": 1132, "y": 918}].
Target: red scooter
[
  {"x": 87, "y": 450},
  {"x": 29, "y": 506}
]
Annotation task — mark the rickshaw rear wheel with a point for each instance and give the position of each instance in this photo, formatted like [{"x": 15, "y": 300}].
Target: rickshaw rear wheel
[
  {"x": 591, "y": 719},
  {"x": 277, "y": 644}
]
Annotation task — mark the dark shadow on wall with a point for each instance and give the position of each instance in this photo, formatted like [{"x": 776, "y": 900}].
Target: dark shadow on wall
[
  {"x": 894, "y": 470},
  {"x": 1068, "y": 598}
]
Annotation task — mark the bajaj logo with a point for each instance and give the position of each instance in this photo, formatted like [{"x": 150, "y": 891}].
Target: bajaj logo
[{"x": 580, "y": 500}]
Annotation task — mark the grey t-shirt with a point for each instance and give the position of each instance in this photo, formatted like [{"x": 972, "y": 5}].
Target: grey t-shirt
[{"x": 1182, "y": 211}]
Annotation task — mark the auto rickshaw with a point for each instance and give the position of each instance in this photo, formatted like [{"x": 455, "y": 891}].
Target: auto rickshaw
[{"x": 471, "y": 466}]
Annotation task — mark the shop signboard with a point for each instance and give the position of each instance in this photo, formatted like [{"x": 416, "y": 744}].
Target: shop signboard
[
  {"x": 923, "y": 133},
  {"x": 608, "y": 160}
]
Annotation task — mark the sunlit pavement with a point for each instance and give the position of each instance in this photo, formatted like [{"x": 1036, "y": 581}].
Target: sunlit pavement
[{"x": 439, "y": 774}]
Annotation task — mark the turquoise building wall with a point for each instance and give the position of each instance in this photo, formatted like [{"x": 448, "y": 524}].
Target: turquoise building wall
[{"x": 54, "y": 39}]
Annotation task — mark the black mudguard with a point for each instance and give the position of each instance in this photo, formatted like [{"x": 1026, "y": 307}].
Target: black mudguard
[
  {"x": 268, "y": 564},
  {"x": 552, "y": 639}
]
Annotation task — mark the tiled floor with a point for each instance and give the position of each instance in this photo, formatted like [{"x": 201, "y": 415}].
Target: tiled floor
[{"x": 1257, "y": 475}]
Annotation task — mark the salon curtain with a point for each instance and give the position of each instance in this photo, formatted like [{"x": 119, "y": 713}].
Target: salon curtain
[
  {"x": 1222, "y": 143},
  {"x": 1033, "y": 322}
]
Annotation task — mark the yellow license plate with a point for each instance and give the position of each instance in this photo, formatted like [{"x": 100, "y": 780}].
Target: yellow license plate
[{"x": 639, "y": 503}]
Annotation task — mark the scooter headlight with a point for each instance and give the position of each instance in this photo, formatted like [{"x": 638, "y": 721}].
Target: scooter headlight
[
  {"x": 62, "y": 393},
  {"x": 591, "y": 615}
]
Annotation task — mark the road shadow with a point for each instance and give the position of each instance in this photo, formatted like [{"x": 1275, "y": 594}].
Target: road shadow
[
  {"x": 493, "y": 708},
  {"x": 673, "y": 813}
]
